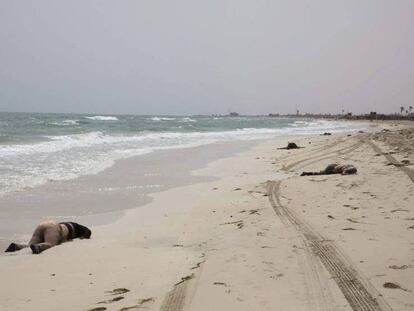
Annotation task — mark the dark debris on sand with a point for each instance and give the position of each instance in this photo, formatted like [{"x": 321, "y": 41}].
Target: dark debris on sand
[
  {"x": 394, "y": 286},
  {"x": 118, "y": 291}
]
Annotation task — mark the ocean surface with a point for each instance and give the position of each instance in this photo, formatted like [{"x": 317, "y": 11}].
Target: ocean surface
[{"x": 39, "y": 148}]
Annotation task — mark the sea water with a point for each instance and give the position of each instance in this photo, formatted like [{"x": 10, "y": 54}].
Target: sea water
[{"x": 39, "y": 148}]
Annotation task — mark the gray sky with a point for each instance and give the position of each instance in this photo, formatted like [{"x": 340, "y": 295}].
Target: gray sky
[{"x": 189, "y": 57}]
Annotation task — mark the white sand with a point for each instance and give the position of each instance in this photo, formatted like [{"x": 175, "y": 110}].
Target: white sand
[{"x": 247, "y": 249}]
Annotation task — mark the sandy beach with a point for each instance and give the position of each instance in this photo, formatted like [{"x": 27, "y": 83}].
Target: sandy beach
[{"x": 245, "y": 233}]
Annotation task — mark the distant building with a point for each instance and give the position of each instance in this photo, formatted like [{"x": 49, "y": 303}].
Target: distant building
[
  {"x": 373, "y": 115},
  {"x": 273, "y": 115},
  {"x": 233, "y": 114}
]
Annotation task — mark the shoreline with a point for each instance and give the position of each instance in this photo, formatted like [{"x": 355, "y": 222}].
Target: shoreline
[
  {"x": 67, "y": 152},
  {"x": 103, "y": 197},
  {"x": 222, "y": 245}
]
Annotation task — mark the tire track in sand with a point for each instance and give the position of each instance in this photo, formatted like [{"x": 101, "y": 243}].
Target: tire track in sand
[
  {"x": 315, "y": 151},
  {"x": 174, "y": 301},
  {"x": 324, "y": 155},
  {"x": 407, "y": 170},
  {"x": 358, "y": 291},
  {"x": 178, "y": 297}
]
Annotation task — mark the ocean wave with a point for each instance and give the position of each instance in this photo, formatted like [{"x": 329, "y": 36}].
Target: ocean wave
[
  {"x": 103, "y": 118},
  {"x": 36, "y": 120},
  {"x": 157, "y": 119},
  {"x": 187, "y": 120},
  {"x": 55, "y": 144},
  {"x": 69, "y": 156},
  {"x": 151, "y": 139},
  {"x": 65, "y": 123}
]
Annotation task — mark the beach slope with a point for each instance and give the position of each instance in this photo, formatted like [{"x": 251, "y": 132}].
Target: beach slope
[{"x": 257, "y": 237}]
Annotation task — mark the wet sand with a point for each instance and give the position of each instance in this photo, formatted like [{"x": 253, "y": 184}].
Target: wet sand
[
  {"x": 253, "y": 236},
  {"x": 102, "y": 198}
]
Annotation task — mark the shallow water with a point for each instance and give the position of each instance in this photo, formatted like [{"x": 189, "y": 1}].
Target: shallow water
[
  {"x": 102, "y": 198},
  {"x": 36, "y": 149}
]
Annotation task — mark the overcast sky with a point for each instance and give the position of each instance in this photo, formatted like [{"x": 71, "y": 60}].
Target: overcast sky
[{"x": 212, "y": 56}]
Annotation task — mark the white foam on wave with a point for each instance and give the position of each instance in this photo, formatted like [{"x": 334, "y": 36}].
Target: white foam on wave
[
  {"x": 28, "y": 171},
  {"x": 103, "y": 118},
  {"x": 55, "y": 144},
  {"x": 187, "y": 120},
  {"x": 157, "y": 119},
  {"x": 119, "y": 142},
  {"x": 65, "y": 123},
  {"x": 69, "y": 156}
]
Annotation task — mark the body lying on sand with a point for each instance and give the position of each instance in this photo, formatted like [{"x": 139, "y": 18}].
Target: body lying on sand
[
  {"x": 291, "y": 146},
  {"x": 50, "y": 233},
  {"x": 344, "y": 169}
]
